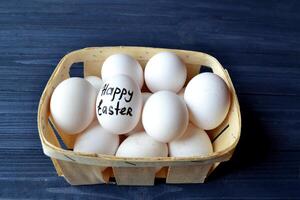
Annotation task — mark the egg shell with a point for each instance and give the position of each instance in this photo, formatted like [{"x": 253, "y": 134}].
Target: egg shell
[
  {"x": 96, "y": 139},
  {"x": 139, "y": 127},
  {"x": 165, "y": 71},
  {"x": 95, "y": 81},
  {"x": 208, "y": 100},
  {"x": 119, "y": 104},
  {"x": 141, "y": 145},
  {"x": 165, "y": 116},
  {"x": 72, "y": 105},
  {"x": 117, "y": 64},
  {"x": 194, "y": 142}
]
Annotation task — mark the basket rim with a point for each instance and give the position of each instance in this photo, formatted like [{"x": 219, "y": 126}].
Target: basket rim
[{"x": 49, "y": 148}]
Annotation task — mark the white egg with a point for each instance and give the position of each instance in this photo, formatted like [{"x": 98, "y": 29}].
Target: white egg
[
  {"x": 95, "y": 81},
  {"x": 73, "y": 105},
  {"x": 165, "y": 71},
  {"x": 119, "y": 104},
  {"x": 122, "y": 64},
  {"x": 208, "y": 99},
  {"x": 96, "y": 139},
  {"x": 140, "y": 145},
  {"x": 165, "y": 116},
  {"x": 139, "y": 127},
  {"x": 194, "y": 142}
]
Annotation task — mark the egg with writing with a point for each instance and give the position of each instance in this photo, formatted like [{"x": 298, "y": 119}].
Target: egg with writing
[
  {"x": 165, "y": 71},
  {"x": 140, "y": 145},
  {"x": 95, "y": 81},
  {"x": 119, "y": 104},
  {"x": 208, "y": 99},
  {"x": 72, "y": 105},
  {"x": 139, "y": 127},
  {"x": 194, "y": 142},
  {"x": 165, "y": 116},
  {"x": 121, "y": 63}
]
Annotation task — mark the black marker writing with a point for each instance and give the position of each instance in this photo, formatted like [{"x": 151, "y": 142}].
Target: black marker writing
[
  {"x": 117, "y": 93},
  {"x": 110, "y": 110}
]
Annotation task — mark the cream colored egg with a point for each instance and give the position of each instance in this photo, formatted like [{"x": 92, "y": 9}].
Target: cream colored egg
[
  {"x": 95, "y": 81},
  {"x": 194, "y": 142},
  {"x": 96, "y": 139},
  {"x": 165, "y": 71},
  {"x": 141, "y": 145},
  {"x": 139, "y": 127},
  {"x": 72, "y": 105},
  {"x": 208, "y": 99},
  {"x": 165, "y": 116},
  {"x": 119, "y": 104},
  {"x": 122, "y": 64}
]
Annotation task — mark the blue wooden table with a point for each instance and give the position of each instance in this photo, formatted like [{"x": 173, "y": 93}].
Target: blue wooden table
[{"x": 257, "y": 41}]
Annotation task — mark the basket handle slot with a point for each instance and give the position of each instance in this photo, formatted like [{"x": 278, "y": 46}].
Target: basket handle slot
[
  {"x": 204, "y": 68},
  {"x": 76, "y": 70}
]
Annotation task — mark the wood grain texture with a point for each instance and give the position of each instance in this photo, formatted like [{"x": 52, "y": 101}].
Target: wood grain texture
[{"x": 257, "y": 41}]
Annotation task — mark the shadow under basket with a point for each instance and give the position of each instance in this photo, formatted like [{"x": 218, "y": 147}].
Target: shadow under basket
[{"x": 84, "y": 169}]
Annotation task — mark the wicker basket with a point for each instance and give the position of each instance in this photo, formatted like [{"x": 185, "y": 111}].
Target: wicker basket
[{"x": 83, "y": 169}]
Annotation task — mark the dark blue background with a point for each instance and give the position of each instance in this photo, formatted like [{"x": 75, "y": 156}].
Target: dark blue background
[{"x": 257, "y": 41}]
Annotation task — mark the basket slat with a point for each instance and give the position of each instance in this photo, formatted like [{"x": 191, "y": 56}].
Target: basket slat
[
  {"x": 134, "y": 175},
  {"x": 68, "y": 139},
  {"x": 92, "y": 68},
  {"x": 79, "y": 174},
  {"x": 188, "y": 174}
]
